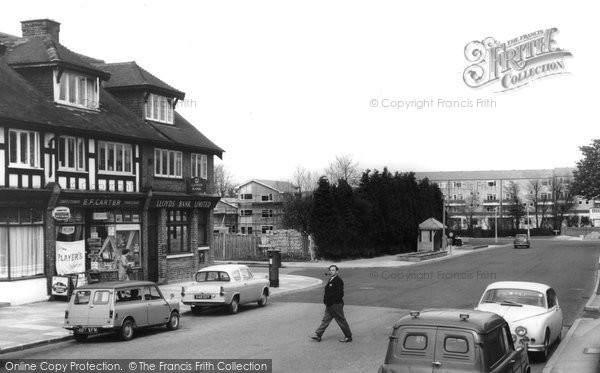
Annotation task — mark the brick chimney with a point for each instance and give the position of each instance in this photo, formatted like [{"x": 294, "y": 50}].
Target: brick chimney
[{"x": 40, "y": 27}]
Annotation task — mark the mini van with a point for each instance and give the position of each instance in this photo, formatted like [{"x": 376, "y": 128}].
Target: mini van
[
  {"x": 119, "y": 307},
  {"x": 453, "y": 340}
]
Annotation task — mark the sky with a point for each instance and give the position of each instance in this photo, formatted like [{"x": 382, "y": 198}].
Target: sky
[{"x": 281, "y": 84}]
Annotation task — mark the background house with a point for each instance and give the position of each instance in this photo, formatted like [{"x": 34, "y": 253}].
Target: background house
[
  {"x": 260, "y": 204},
  {"x": 479, "y": 197}
]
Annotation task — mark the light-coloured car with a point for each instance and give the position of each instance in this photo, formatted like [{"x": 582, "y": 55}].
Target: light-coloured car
[
  {"x": 119, "y": 307},
  {"x": 225, "y": 285},
  {"x": 531, "y": 309},
  {"x": 453, "y": 340}
]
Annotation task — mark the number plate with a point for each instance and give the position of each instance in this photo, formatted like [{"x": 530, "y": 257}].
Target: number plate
[
  {"x": 202, "y": 296},
  {"x": 87, "y": 330}
]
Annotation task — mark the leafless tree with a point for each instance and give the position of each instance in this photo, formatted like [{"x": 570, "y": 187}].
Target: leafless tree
[
  {"x": 344, "y": 167},
  {"x": 223, "y": 182},
  {"x": 563, "y": 199},
  {"x": 305, "y": 180},
  {"x": 472, "y": 202},
  {"x": 535, "y": 189}
]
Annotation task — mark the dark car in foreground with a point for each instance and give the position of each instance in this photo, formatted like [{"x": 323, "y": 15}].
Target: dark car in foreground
[
  {"x": 521, "y": 240},
  {"x": 453, "y": 340}
]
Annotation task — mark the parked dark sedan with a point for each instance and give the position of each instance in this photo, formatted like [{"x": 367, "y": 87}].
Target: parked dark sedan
[{"x": 521, "y": 240}]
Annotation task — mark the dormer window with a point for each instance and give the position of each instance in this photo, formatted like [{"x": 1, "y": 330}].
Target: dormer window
[
  {"x": 159, "y": 108},
  {"x": 76, "y": 90}
]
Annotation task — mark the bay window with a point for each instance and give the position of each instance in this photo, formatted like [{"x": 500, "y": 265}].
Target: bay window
[
  {"x": 159, "y": 108},
  {"x": 167, "y": 163},
  {"x": 24, "y": 148},
  {"x": 199, "y": 165},
  {"x": 115, "y": 157},
  {"x": 72, "y": 153}
]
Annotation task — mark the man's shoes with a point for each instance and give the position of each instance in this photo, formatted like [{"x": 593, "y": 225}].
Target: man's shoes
[
  {"x": 316, "y": 337},
  {"x": 346, "y": 340}
]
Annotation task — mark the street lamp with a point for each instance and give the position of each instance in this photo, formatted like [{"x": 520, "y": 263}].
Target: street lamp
[
  {"x": 496, "y": 224},
  {"x": 443, "y": 222},
  {"x": 528, "y": 235}
]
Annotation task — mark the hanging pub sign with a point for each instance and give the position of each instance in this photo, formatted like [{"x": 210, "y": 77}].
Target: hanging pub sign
[{"x": 61, "y": 213}]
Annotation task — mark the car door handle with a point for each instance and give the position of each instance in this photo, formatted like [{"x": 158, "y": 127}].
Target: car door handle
[{"x": 437, "y": 363}]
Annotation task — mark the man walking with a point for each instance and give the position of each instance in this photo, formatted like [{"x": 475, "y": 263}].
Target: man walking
[{"x": 334, "y": 306}]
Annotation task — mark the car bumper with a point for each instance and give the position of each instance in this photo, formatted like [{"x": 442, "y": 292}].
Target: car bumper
[
  {"x": 78, "y": 329},
  {"x": 204, "y": 302}
]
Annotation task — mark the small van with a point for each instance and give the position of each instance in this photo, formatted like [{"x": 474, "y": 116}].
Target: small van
[
  {"x": 119, "y": 307},
  {"x": 453, "y": 340}
]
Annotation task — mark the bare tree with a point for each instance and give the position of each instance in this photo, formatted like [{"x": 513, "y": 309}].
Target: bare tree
[
  {"x": 344, "y": 167},
  {"x": 535, "y": 189},
  {"x": 515, "y": 208},
  {"x": 305, "y": 180},
  {"x": 223, "y": 182},
  {"x": 563, "y": 199},
  {"x": 472, "y": 203}
]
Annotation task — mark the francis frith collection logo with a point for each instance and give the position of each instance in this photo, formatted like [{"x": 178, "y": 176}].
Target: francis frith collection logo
[{"x": 514, "y": 63}]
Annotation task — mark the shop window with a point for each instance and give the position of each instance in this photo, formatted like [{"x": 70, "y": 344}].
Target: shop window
[
  {"x": 111, "y": 232},
  {"x": 21, "y": 243},
  {"x": 178, "y": 229}
]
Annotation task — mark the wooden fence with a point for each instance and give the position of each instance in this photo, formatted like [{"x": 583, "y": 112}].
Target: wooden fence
[{"x": 293, "y": 247}]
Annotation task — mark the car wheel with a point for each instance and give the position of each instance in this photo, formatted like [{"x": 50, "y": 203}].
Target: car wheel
[
  {"x": 173, "y": 322},
  {"x": 127, "y": 330},
  {"x": 544, "y": 354},
  {"x": 263, "y": 299},
  {"x": 234, "y": 306},
  {"x": 80, "y": 337}
]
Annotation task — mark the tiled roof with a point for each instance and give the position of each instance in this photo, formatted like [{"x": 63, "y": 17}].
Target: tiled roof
[
  {"x": 280, "y": 186},
  {"x": 431, "y": 224},
  {"x": 45, "y": 50},
  {"x": 184, "y": 133},
  {"x": 130, "y": 74},
  {"x": 495, "y": 175},
  {"x": 21, "y": 102}
]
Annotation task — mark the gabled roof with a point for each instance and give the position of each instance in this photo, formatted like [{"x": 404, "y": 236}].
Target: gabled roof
[
  {"x": 278, "y": 186},
  {"x": 184, "y": 133},
  {"x": 43, "y": 50},
  {"x": 21, "y": 102},
  {"x": 131, "y": 75}
]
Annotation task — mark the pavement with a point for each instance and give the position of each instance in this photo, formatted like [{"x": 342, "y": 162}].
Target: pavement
[{"x": 35, "y": 324}]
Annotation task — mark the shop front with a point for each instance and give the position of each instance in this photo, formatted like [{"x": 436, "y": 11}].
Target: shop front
[
  {"x": 22, "y": 246},
  {"x": 99, "y": 229},
  {"x": 179, "y": 227}
]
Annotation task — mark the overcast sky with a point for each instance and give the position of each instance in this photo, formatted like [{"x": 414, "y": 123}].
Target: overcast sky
[{"x": 280, "y": 84}]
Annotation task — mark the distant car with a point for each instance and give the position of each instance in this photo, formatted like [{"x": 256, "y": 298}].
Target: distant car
[
  {"x": 453, "y": 340},
  {"x": 225, "y": 285},
  {"x": 531, "y": 309},
  {"x": 521, "y": 240},
  {"x": 119, "y": 307}
]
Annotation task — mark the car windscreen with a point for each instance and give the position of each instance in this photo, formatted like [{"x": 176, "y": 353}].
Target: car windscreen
[
  {"x": 515, "y": 296},
  {"x": 210, "y": 276}
]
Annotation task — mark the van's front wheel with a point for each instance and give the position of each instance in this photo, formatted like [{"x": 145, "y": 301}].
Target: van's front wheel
[{"x": 127, "y": 330}]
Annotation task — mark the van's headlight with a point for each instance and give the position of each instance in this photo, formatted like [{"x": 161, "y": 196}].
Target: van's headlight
[{"x": 521, "y": 331}]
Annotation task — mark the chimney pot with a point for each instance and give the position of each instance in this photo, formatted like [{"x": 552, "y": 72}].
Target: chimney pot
[{"x": 41, "y": 27}]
